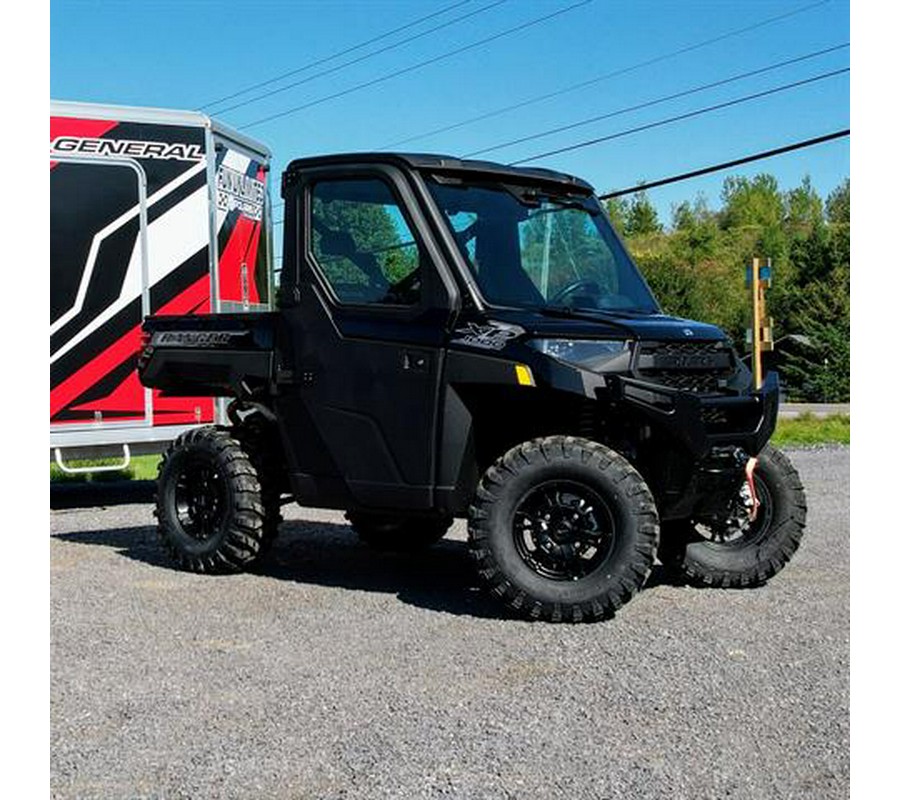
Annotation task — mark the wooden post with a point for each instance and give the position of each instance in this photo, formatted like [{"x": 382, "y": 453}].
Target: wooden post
[
  {"x": 759, "y": 279},
  {"x": 757, "y": 316}
]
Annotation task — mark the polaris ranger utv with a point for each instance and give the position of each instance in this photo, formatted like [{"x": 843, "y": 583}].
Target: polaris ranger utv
[{"x": 461, "y": 338}]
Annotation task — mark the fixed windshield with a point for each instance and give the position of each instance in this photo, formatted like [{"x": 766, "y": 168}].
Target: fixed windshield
[{"x": 529, "y": 249}]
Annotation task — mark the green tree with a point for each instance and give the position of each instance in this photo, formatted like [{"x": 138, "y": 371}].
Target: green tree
[
  {"x": 837, "y": 209},
  {"x": 821, "y": 372},
  {"x": 641, "y": 217},
  {"x": 696, "y": 269},
  {"x": 696, "y": 235},
  {"x": 617, "y": 209},
  {"x": 753, "y": 214},
  {"x": 803, "y": 208},
  {"x": 838, "y": 204}
]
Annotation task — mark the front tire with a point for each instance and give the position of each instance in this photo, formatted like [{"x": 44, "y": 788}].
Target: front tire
[
  {"x": 563, "y": 529},
  {"x": 209, "y": 506},
  {"x": 738, "y": 552}
]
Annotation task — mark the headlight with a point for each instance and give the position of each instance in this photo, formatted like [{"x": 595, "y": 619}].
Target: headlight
[{"x": 596, "y": 355}]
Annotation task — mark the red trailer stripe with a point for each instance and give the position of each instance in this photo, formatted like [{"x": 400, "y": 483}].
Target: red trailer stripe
[
  {"x": 127, "y": 397},
  {"x": 123, "y": 349},
  {"x": 88, "y": 128},
  {"x": 96, "y": 368},
  {"x": 251, "y": 264},
  {"x": 232, "y": 257}
]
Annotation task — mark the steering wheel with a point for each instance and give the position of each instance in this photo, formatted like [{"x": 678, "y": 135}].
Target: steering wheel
[{"x": 570, "y": 289}]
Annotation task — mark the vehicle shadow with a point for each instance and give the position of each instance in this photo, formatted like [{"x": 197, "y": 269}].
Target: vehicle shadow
[
  {"x": 100, "y": 493},
  {"x": 438, "y": 578}
]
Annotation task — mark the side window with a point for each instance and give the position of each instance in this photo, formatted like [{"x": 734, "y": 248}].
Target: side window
[{"x": 363, "y": 243}]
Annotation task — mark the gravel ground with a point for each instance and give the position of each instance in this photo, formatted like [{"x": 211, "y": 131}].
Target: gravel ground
[{"x": 336, "y": 671}]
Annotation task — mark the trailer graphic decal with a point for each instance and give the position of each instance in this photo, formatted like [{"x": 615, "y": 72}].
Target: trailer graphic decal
[
  {"x": 69, "y": 145},
  {"x": 125, "y": 398},
  {"x": 109, "y": 285},
  {"x": 67, "y": 126},
  {"x": 236, "y": 191},
  {"x": 115, "y": 258},
  {"x": 243, "y": 251},
  {"x": 100, "y": 269}
]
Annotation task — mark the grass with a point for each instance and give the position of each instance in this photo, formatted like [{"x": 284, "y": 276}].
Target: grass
[
  {"x": 807, "y": 429},
  {"x": 141, "y": 468}
]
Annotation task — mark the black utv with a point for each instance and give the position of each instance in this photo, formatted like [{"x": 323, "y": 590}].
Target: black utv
[{"x": 464, "y": 339}]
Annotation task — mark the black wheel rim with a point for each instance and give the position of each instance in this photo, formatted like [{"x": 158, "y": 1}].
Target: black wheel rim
[
  {"x": 563, "y": 530},
  {"x": 738, "y": 530},
  {"x": 200, "y": 499}
]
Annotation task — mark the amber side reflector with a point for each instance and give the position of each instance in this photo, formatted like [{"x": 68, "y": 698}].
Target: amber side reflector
[{"x": 524, "y": 376}]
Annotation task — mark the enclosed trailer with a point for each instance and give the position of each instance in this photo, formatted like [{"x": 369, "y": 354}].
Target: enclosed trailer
[{"x": 152, "y": 211}]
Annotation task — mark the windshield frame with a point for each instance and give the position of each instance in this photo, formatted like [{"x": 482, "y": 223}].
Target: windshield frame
[{"x": 535, "y": 195}]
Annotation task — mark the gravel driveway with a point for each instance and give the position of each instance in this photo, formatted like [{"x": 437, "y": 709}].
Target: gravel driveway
[{"x": 336, "y": 671}]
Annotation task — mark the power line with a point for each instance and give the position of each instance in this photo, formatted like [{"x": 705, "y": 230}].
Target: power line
[
  {"x": 727, "y": 164},
  {"x": 688, "y": 115},
  {"x": 650, "y": 103},
  {"x": 716, "y": 167},
  {"x": 606, "y": 76},
  {"x": 421, "y": 64},
  {"x": 654, "y": 102},
  {"x": 336, "y": 55},
  {"x": 357, "y": 60}
]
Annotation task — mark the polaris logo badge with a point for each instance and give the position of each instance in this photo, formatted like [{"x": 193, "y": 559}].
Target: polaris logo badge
[
  {"x": 125, "y": 147},
  {"x": 688, "y": 332}
]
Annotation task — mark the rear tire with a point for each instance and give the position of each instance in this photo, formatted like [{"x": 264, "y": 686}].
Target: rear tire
[
  {"x": 563, "y": 529},
  {"x": 399, "y": 534},
  {"x": 209, "y": 507},
  {"x": 259, "y": 440},
  {"x": 742, "y": 553}
]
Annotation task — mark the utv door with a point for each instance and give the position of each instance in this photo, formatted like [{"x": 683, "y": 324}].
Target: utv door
[{"x": 367, "y": 326}]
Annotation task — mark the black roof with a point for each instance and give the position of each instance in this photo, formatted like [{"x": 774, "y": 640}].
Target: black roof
[{"x": 443, "y": 164}]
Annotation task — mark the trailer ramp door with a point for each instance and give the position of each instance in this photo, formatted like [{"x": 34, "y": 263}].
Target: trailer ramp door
[{"x": 98, "y": 254}]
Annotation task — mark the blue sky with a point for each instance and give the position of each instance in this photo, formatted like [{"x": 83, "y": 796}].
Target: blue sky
[{"x": 187, "y": 53}]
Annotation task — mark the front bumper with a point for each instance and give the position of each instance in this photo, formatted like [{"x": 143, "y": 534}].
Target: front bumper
[{"x": 704, "y": 422}]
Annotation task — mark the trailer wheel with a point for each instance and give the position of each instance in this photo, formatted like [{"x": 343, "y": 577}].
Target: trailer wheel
[
  {"x": 738, "y": 552},
  {"x": 400, "y": 534},
  {"x": 209, "y": 507},
  {"x": 563, "y": 529}
]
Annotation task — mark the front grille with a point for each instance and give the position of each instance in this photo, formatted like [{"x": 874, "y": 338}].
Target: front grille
[{"x": 699, "y": 367}]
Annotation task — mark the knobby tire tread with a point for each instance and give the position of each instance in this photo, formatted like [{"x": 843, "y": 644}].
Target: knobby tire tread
[{"x": 563, "y": 449}]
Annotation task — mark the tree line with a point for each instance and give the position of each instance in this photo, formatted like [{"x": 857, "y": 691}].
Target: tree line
[{"x": 696, "y": 268}]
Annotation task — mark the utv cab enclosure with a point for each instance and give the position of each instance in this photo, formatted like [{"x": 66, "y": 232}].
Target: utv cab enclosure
[
  {"x": 461, "y": 338},
  {"x": 151, "y": 212}
]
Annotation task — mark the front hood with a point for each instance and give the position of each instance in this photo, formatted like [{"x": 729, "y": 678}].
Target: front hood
[{"x": 584, "y": 324}]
